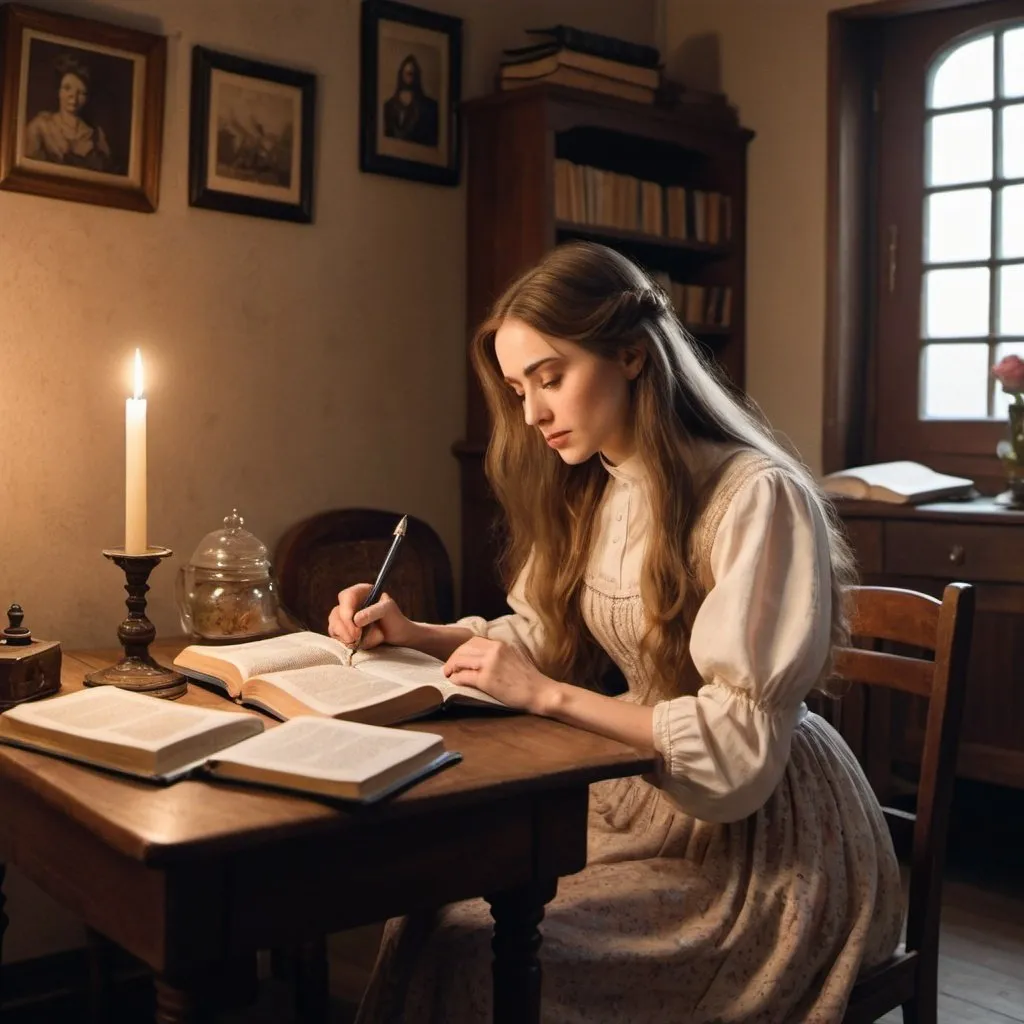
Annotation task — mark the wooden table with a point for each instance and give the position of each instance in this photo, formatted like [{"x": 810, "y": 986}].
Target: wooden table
[{"x": 199, "y": 874}]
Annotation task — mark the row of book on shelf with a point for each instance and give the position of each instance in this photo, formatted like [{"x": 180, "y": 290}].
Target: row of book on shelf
[
  {"x": 603, "y": 198},
  {"x": 697, "y": 305},
  {"x": 581, "y": 59}
]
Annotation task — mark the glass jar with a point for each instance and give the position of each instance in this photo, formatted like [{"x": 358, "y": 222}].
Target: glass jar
[{"x": 227, "y": 591}]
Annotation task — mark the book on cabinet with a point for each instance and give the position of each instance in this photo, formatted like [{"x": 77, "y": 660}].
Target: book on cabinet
[{"x": 665, "y": 186}]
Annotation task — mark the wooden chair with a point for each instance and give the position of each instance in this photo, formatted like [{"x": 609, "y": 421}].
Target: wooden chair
[
  {"x": 332, "y": 550},
  {"x": 904, "y": 617}
]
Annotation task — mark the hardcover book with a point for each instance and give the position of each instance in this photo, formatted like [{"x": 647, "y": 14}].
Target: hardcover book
[
  {"x": 311, "y": 674},
  {"x": 162, "y": 741}
]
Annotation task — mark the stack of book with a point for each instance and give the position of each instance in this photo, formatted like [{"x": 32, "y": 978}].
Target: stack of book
[{"x": 583, "y": 60}]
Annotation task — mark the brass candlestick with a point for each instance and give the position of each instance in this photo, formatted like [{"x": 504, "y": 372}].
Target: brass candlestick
[{"x": 137, "y": 670}]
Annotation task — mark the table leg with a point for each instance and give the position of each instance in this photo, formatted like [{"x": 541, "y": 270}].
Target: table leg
[
  {"x": 312, "y": 983},
  {"x": 177, "y": 1003},
  {"x": 3, "y": 928},
  {"x": 516, "y": 969},
  {"x": 202, "y": 993},
  {"x": 100, "y": 952}
]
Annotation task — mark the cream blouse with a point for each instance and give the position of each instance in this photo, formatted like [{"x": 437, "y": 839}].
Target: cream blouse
[{"x": 759, "y": 641}]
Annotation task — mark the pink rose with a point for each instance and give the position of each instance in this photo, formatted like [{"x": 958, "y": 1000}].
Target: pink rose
[{"x": 1009, "y": 371}]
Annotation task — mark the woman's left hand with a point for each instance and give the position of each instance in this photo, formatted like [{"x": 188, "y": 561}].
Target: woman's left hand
[{"x": 504, "y": 672}]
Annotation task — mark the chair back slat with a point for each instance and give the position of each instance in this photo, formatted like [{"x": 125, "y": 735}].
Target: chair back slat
[
  {"x": 911, "y": 675},
  {"x": 329, "y": 551},
  {"x": 938, "y": 764},
  {"x": 917, "y": 620},
  {"x": 895, "y": 614}
]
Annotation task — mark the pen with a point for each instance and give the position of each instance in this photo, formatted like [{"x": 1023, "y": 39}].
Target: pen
[{"x": 385, "y": 569}]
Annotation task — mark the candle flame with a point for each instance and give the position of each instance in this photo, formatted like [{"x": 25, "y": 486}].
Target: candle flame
[{"x": 138, "y": 374}]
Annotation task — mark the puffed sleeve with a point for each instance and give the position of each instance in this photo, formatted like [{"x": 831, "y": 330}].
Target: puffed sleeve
[
  {"x": 522, "y": 628},
  {"x": 759, "y": 642}
]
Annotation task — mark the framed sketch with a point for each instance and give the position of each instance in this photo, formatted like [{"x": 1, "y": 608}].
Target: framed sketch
[
  {"x": 251, "y": 137},
  {"x": 410, "y": 82},
  {"x": 82, "y": 110}
]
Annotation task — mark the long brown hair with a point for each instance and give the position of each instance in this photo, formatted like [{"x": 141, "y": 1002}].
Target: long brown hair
[{"x": 595, "y": 297}]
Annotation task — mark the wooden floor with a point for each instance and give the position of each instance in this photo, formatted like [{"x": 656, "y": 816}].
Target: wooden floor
[{"x": 981, "y": 955}]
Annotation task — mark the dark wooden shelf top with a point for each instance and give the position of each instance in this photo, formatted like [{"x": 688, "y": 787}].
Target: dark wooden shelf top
[
  {"x": 599, "y": 110},
  {"x": 599, "y": 232}
]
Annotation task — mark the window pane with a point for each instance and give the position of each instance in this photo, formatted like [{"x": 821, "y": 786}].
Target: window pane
[
  {"x": 1003, "y": 400},
  {"x": 956, "y": 303},
  {"x": 960, "y": 147},
  {"x": 1013, "y": 63},
  {"x": 1012, "y": 141},
  {"x": 955, "y": 381},
  {"x": 1011, "y": 222},
  {"x": 958, "y": 226},
  {"x": 965, "y": 75},
  {"x": 1011, "y": 300}
]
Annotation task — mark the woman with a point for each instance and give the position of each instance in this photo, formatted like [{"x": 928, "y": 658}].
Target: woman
[
  {"x": 664, "y": 529},
  {"x": 62, "y": 136}
]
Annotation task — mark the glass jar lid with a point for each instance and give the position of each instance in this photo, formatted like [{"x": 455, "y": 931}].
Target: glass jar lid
[{"x": 233, "y": 551}]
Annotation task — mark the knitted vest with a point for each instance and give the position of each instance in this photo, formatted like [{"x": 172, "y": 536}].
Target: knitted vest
[{"x": 717, "y": 493}]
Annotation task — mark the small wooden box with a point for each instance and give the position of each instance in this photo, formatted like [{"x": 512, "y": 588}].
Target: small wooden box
[{"x": 28, "y": 672}]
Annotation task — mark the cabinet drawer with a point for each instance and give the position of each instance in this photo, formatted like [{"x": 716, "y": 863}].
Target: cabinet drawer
[
  {"x": 955, "y": 552},
  {"x": 865, "y": 536}
]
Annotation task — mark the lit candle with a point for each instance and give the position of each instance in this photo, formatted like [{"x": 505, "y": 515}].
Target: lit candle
[{"x": 135, "y": 467}]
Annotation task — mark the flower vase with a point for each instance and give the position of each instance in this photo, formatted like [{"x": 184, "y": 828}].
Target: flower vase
[{"x": 1011, "y": 454}]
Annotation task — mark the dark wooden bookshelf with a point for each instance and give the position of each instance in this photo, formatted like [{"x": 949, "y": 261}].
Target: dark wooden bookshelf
[
  {"x": 618, "y": 237},
  {"x": 513, "y": 140}
]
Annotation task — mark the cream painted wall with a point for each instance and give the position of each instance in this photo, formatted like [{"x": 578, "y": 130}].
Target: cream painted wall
[
  {"x": 290, "y": 368},
  {"x": 770, "y": 57}
]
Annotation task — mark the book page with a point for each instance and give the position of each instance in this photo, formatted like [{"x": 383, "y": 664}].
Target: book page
[
  {"x": 329, "y": 748},
  {"x": 330, "y": 689},
  {"x": 404, "y": 665},
  {"x": 906, "y": 478},
  {"x": 131, "y": 719},
  {"x": 293, "y": 650}
]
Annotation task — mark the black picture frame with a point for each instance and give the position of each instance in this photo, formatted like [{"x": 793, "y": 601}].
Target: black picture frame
[
  {"x": 261, "y": 172},
  {"x": 117, "y": 77},
  {"x": 421, "y": 140}
]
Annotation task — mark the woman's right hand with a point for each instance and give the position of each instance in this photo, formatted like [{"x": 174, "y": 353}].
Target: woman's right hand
[{"x": 381, "y": 623}]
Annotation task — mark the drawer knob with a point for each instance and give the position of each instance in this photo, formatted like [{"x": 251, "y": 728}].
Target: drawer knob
[{"x": 956, "y": 554}]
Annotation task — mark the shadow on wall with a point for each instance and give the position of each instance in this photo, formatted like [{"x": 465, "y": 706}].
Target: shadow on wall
[{"x": 697, "y": 63}]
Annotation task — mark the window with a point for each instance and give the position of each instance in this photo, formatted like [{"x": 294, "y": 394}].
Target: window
[
  {"x": 972, "y": 280},
  {"x": 926, "y": 277}
]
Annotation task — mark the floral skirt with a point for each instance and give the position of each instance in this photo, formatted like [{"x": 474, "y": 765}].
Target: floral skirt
[{"x": 673, "y": 919}]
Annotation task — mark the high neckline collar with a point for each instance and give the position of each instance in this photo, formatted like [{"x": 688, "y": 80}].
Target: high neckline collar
[{"x": 630, "y": 471}]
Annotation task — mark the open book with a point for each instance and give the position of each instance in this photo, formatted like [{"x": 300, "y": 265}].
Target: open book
[
  {"x": 163, "y": 742},
  {"x": 311, "y": 674},
  {"x": 903, "y": 483}
]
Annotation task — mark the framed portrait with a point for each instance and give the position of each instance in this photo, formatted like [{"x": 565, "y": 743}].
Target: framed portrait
[
  {"x": 410, "y": 82},
  {"x": 82, "y": 111},
  {"x": 251, "y": 132}
]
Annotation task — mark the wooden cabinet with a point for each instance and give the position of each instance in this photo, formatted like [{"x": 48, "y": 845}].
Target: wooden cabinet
[
  {"x": 516, "y": 142},
  {"x": 976, "y": 542}
]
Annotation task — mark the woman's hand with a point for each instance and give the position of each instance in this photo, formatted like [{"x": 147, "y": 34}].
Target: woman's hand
[
  {"x": 504, "y": 672},
  {"x": 382, "y": 623}
]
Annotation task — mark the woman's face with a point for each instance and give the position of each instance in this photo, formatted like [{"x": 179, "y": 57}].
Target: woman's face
[
  {"x": 73, "y": 94},
  {"x": 579, "y": 401}
]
